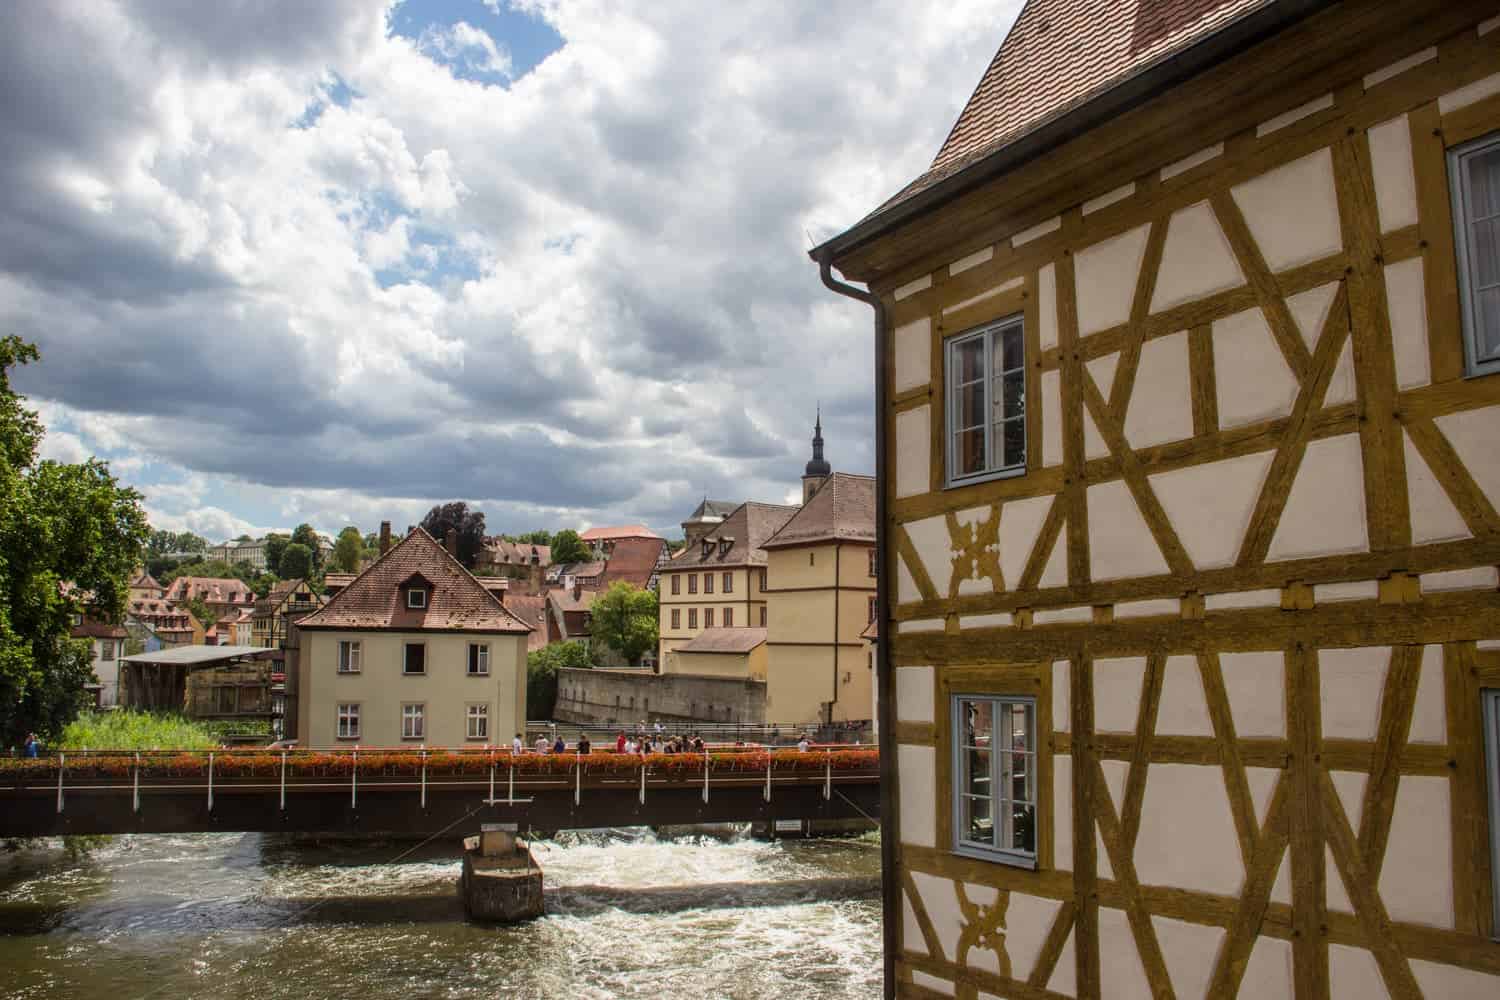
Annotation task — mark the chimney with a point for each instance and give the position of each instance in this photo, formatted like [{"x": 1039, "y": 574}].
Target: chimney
[
  {"x": 577, "y": 589},
  {"x": 385, "y": 537},
  {"x": 537, "y": 579},
  {"x": 451, "y": 542}
]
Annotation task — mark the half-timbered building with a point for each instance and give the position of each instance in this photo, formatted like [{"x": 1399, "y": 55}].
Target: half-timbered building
[{"x": 1188, "y": 378}]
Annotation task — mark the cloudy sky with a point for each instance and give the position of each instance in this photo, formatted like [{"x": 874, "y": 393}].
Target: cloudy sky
[{"x": 336, "y": 261}]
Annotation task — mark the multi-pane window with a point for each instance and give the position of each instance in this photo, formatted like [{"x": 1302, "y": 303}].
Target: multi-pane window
[
  {"x": 348, "y": 721},
  {"x": 692, "y": 617},
  {"x": 414, "y": 660},
  {"x": 986, "y": 414},
  {"x": 479, "y": 658},
  {"x": 477, "y": 722},
  {"x": 1491, "y": 698},
  {"x": 676, "y": 584},
  {"x": 107, "y": 650},
  {"x": 677, "y": 618},
  {"x": 349, "y": 653},
  {"x": 994, "y": 777},
  {"x": 416, "y": 598},
  {"x": 708, "y": 617},
  {"x": 1475, "y": 172},
  {"x": 708, "y": 583},
  {"x": 692, "y": 583},
  {"x": 728, "y": 582},
  {"x": 729, "y": 618},
  {"x": 413, "y": 721}
]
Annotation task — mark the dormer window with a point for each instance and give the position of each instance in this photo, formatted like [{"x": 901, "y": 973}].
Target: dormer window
[
  {"x": 725, "y": 544},
  {"x": 416, "y": 599},
  {"x": 708, "y": 547}
]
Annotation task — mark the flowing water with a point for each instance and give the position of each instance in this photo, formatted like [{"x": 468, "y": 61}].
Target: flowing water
[{"x": 628, "y": 915}]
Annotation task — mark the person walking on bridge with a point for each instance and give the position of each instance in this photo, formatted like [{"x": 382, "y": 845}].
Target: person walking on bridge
[
  {"x": 620, "y": 742},
  {"x": 516, "y": 744},
  {"x": 31, "y": 748}
]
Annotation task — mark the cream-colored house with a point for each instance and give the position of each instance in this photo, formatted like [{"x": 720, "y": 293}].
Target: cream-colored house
[
  {"x": 1187, "y": 354},
  {"x": 723, "y": 652},
  {"x": 414, "y": 651},
  {"x": 820, "y": 571}
]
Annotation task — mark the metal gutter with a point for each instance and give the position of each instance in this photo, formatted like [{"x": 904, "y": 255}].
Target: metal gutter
[
  {"x": 1126, "y": 95},
  {"x": 884, "y": 678}
]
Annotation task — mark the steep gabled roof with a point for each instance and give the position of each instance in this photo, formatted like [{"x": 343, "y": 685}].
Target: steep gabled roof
[
  {"x": 843, "y": 510},
  {"x": 747, "y": 528},
  {"x": 713, "y": 510},
  {"x": 633, "y": 561},
  {"x": 374, "y": 600}
]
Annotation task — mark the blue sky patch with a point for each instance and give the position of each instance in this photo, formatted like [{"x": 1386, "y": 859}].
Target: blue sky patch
[{"x": 522, "y": 36}]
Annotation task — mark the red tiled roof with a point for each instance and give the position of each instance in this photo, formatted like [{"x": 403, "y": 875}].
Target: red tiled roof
[
  {"x": 91, "y": 628},
  {"x": 623, "y": 531},
  {"x": 376, "y": 600},
  {"x": 529, "y": 608},
  {"x": 499, "y": 550},
  {"x": 843, "y": 510},
  {"x": 582, "y": 570},
  {"x": 633, "y": 561},
  {"x": 215, "y": 590},
  {"x": 563, "y": 600},
  {"x": 724, "y": 640},
  {"x": 748, "y": 527}
]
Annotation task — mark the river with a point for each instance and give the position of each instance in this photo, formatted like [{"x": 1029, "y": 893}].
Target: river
[{"x": 628, "y": 915}]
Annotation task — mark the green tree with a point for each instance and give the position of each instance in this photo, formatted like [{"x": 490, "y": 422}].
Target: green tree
[
  {"x": 305, "y": 535},
  {"x": 348, "y": 549},
  {"x": 538, "y": 537},
  {"x": 67, "y": 532},
  {"x": 624, "y": 619},
  {"x": 275, "y": 545},
  {"x": 458, "y": 517},
  {"x": 202, "y": 611},
  {"x": 542, "y": 666},
  {"x": 567, "y": 547},
  {"x": 296, "y": 562}
]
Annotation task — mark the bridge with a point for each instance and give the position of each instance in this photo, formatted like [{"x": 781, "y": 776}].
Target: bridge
[{"x": 428, "y": 791}]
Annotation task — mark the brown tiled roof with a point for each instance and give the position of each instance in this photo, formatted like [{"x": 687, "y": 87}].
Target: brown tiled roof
[
  {"x": 749, "y": 527},
  {"x": 510, "y": 553},
  {"x": 633, "y": 561},
  {"x": 145, "y": 581},
  {"x": 375, "y": 600},
  {"x": 563, "y": 600},
  {"x": 843, "y": 510},
  {"x": 216, "y": 590},
  {"x": 92, "y": 628},
  {"x": 1059, "y": 55},
  {"x": 724, "y": 640},
  {"x": 339, "y": 579},
  {"x": 278, "y": 594},
  {"x": 622, "y": 531},
  {"x": 529, "y": 608},
  {"x": 584, "y": 570}
]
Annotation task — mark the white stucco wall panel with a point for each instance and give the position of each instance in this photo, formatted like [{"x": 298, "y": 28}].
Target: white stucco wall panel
[
  {"x": 1027, "y": 922},
  {"x": 1062, "y": 812},
  {"x": 1161, "y": 403},
  {"x": 1187, "y": 837},
  {"x": 1325, "y": 509},
  {"x": 1064, "y": 977},
  {"x": 1395, "y": 183},
  {"x": 1020, "y": 523},
  {"x": 1255, "y": 683},
  {"x": 1292, "y": 211},
  {"x": 1046, "y": 306},
  {"x": 1281, "y": 888},
  {"x": 1309, "y": 310},
  {"x": 1472, "y": 434},
  {"x": 1055, "y": 571},
  {"x": 1116, "y": 773},
  {"x": 936, "y": 984},
  {"x": 1416, "y": 882},
  {"x": 1106, "y": 279},
  {"x": 1429, "y": 721},
  {"x": 1196, "y": 260},
  {"x": 1252, "y": 379},
  {"x": 1190, "y": 952},
  {"x": 1453, "y": 983},
  {"x": 1103, "y": 371},
  {"x": 1183, "y": 709},
  {"x": 1052, "y": 431},
  {"x": 1120, "y": 544},
  {"x": 1262, "y": 782},
  {"x": 1433, "y": 516},
  {"x": 906, "y": 585},
  {"x": 917, "y": 781},
  {"x": 1094, "y": 445},
  {"x": 1269, "y": 970},
  {"x": 914, "y": 697},
  {"x": 940, "y": 897},
  {"x": 1126, "y": 975},
  {"x": 1210, "y": 505},
  {"x": 1062, "y": 696},
  {"x": 911, "y": 931},
  {"x": 1351, "y": 681},
  {"x": 1117, "y": 693},
  {"x": 913, "y": 343},
  {"x": 1354, "y": 975},
  {"x": 1350, "y": 786},
  {"x": 913, "y": 451},
  {"x": 1101, "y": 856},
  {"x": 929, "y": 537},
  {"x": 1406, "y": 299}
]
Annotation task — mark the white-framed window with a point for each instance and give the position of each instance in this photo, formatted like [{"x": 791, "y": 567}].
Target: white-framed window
[
  {"x": 348, "y": 720},
  {"x": 994, "y": 778},
  {"x": 986, "y": 412},
  {"x": 477, "y": 722},
  {"x": 413, "y": 721},
  {"x": 1474, "y": 171},
  {"x": 107, "y": 650},
  {"x": 1491, "y": 700},
  {"x": 349, "y": 655},
  {"x": 479, "y": 659},
  {"x": 414, "y": 658},
  {"x": 416, "y": 598}
]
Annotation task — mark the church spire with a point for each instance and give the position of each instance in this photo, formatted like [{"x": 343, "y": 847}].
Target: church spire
[{"x": 818, "y": 468}]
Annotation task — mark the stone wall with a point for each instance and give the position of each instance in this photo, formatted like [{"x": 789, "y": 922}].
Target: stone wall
[{"x": 623, "y": 697}]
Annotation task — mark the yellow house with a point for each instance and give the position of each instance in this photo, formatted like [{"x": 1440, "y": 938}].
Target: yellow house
[
  {"x": 820, "y": 569},
  {"x": 723, "y": 652},
  {"x": 414, "y": 651},
  {"x": 719, "y": 582},
  {"x": 1188, "y": 390}
]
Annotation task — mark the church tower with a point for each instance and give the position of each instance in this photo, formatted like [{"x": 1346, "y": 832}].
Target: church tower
[{"x": 818, "y": 470}]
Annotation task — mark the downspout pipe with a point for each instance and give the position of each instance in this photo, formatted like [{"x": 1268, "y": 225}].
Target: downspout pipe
[
  {"x": 884, "y": 676},
  {"x": 837, "y": 581}
]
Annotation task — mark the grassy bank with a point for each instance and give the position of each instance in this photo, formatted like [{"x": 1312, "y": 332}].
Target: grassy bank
[{"x": 128, "y": 730}]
